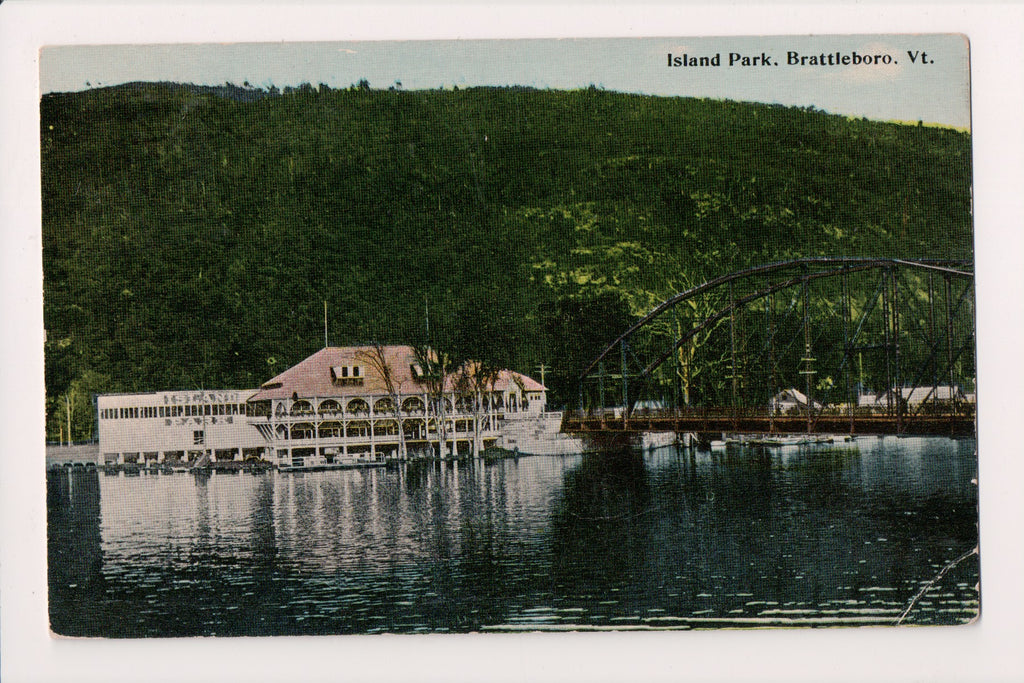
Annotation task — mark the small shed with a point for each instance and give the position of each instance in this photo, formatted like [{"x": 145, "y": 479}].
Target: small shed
[
  {"x": 941, "y": 394},
  {"x": 792, "y": 400}
]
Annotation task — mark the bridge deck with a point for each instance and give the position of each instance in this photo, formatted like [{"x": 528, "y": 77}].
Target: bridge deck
[{"x": 917, "y": 425}]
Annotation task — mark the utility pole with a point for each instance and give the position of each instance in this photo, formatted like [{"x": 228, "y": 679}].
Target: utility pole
[
  {"x": 543, "y": 369},
  {"x": 67, "y": 403},
  {"x": 325, "y": 324},
  {"x": 808, "y": 360},
  {"x": 733, "y": 375},
  {"x": 860, "y": 387},
  {"x": 625, "y": 384}
]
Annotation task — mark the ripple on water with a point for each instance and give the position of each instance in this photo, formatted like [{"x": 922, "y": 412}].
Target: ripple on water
[{"x": 400, "y": 551}]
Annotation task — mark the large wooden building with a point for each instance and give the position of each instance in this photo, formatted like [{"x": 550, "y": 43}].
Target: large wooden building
[
  {"x": 379, "y": 402},
  {"x": 342, "y": 405}
]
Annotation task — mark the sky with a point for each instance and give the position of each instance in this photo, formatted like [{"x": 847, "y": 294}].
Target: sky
[{"x": 934, "y": 87}]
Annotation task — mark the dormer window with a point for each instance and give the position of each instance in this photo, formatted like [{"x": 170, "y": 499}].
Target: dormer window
[{"x": 347, "y": 375}]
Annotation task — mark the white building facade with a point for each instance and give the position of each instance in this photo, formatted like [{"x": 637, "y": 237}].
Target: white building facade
[{"x": 171, "y": 427}]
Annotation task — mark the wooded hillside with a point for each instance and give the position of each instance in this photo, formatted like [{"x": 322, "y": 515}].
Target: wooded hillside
[{"x": 191, "y": 238}]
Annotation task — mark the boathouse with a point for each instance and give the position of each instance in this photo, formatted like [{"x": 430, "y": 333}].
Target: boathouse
[{"x": 172, "y": 427}]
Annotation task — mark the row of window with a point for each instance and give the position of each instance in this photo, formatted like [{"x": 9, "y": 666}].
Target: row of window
[
  {"x": 412, "y": 404},
  {"x": 187, "y": 410},
  {"x": 362, "y": 428}
]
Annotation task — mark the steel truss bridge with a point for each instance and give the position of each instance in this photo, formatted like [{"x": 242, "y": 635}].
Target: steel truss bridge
[{"x": 825, "y": 345}]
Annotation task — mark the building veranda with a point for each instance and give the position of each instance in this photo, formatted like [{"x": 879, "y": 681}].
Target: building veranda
[{"x": 383, "y": 402}]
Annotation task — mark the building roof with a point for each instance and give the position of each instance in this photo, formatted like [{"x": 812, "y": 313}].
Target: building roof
[
  {"x": 507, "y": 377},
  {"x": 912, "y": 395},
  {"x": 917, "y": 395},
  {"x": 793, "y": 396},
  {"x": 321, "y": 375},
  {"x": 871, "y": 400}
]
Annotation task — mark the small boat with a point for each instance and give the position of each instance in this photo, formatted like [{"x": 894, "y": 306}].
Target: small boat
[{"x": 337, "y": 465}]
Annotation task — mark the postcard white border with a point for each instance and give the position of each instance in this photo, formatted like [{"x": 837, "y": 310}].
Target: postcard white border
[{"x": 986, "y": 651}]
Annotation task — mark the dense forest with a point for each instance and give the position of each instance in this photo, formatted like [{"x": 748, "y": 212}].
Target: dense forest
[{"x": 191, "y": 236}]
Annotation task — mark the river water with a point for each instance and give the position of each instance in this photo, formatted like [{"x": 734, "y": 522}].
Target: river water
[{"x": 847, "y": 534}]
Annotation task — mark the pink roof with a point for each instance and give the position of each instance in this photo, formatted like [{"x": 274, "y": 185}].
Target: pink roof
[
  {"x": 315, "y": 376},
  {"x": 527, "y": 383}
]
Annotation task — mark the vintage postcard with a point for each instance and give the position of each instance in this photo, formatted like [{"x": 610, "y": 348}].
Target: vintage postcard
[{"x": 509, "y": 336}]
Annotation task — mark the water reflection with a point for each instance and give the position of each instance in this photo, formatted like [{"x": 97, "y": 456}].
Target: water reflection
[
  {"x": 73, "y": 545},
  {"x": 846, "y": 534}
]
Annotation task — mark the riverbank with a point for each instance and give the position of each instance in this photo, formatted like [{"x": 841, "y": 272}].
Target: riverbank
[{"x": 81, "y": 455}]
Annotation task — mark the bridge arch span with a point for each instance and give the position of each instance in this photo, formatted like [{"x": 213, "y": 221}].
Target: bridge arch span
[{"x": 911, "y": 319}]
